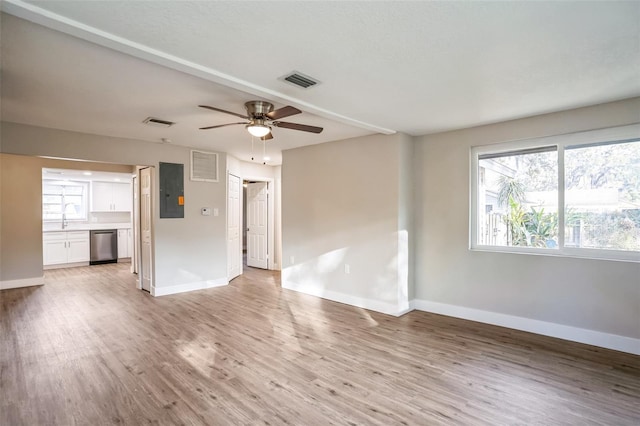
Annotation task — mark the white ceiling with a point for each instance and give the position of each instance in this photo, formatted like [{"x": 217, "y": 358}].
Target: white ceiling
[{"x": 413, "y": 67}]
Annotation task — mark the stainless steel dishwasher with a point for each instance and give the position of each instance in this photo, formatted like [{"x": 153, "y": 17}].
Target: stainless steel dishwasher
[{"x": 104, "y": 246}]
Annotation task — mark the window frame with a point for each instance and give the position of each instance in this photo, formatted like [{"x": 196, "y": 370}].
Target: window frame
[
  {"x": 85, "y": 198},
  {"x": 561, "y": 142}
]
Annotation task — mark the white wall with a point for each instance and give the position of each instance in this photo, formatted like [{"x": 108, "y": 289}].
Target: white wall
[
  {"x": 190, "y": 253},
  {"x": 341, "y": 206},
  {"x": 594, "y": 301}
]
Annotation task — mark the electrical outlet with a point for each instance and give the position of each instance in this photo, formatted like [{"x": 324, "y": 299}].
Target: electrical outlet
[
  {"x": 347, "y": 268},
  {"x": 292, "y": 260}
]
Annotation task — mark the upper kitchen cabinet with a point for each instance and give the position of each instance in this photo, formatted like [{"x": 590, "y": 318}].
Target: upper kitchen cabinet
[{"x": 111, "y": 197}]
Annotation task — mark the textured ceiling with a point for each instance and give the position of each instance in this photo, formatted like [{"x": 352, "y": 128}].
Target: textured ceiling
[{"x": 414, "y": 67}]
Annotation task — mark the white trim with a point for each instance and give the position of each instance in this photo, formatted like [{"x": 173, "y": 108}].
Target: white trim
[
  {"x": 408, "y": 309},
  {"x": 64, "y": 265},
  {"x": 25, "y": 282},
  {"x": 66, "y": 25},
  {"x": 183, "y": 288},
  {"x": 360, "y": 302},
  {"x": 574, "y": 334}
]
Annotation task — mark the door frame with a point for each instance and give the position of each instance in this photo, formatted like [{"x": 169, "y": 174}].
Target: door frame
[{"x": 270, "y": 216}]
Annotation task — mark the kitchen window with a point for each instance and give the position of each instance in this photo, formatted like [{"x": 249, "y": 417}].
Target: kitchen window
[
  {"x": 572, "y": 195},
  {"x": 66, "y": 200}
]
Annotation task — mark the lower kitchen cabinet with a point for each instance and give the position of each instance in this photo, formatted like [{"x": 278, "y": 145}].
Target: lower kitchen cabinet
[
  {"x": 65, "y": 247},
  {"x": 124, "y": 243}
]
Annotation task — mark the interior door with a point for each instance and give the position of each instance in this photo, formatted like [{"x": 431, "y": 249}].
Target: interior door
[
  {"x": 146, "y": 258},
  {"x": 133, "y": 232},
  {"x": 257, "y": 225},
  {"x": 233, "y": 231}
]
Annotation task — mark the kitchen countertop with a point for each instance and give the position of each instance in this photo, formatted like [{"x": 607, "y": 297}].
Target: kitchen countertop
[{"x": 51, "y": 227}]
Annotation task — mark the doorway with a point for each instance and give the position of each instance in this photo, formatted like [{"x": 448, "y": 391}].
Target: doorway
[
  {"x": 257, "y": 216},
  {"x": 250, "y": 216}
]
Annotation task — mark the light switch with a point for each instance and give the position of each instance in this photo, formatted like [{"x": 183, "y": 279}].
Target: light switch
[{"x": 216, "y": 212}]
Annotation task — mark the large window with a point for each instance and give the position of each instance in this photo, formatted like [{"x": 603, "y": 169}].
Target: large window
[
  {"x": 570, "y": 195},
  {"x": 64, "y": 199}
]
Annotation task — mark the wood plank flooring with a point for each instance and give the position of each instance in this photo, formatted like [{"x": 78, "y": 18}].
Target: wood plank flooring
[{"x": 89, "y": 349}]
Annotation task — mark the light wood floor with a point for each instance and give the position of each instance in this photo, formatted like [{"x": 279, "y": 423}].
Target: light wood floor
[{"x": 89, "y": 349}]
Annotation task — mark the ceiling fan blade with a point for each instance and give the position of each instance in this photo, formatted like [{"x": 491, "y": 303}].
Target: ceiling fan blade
[
  {"x": 283, "y": 112},
  {"x": 296, "y": 126},
  {"x": 220, "y": 125},
  {"x": 267, "y": 137},
  {"x": 222, "y": 110}
]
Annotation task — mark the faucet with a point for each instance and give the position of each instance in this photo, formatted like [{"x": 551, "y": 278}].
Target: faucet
[{"x": 65, "y": 222}]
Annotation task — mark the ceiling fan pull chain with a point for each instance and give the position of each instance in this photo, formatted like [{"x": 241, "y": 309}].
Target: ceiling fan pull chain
[
  {"x": 264, "y": 151},
  {"x": 251, "y": 147}
]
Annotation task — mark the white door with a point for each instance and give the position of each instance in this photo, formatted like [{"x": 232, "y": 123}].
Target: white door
[
  {"x": 257, "y": 225},
  {"x": 134, "y": 242},
  {"x": 233, "y": 232},
  {"x": 146, "y": 258}
]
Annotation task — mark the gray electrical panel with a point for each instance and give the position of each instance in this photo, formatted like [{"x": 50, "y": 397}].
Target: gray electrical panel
[{"x": 171, "y": 190}]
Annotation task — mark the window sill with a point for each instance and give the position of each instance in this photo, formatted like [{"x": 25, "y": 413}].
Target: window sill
[{"x": 592, "y": 254}]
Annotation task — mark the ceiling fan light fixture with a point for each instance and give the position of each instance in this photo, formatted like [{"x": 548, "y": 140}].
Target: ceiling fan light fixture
[{"x": 258, "y": 130}]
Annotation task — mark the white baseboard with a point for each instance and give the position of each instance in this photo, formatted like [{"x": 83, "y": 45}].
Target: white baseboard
[
  {"x": 25, "y": 282},
  {"x": 401, "y": 312},
  {"x": 183, "y": 288},
  {"x": 574, "y": 334},
  {"x": 361, "y": 302},
  {"x": 65, "y": 265}
]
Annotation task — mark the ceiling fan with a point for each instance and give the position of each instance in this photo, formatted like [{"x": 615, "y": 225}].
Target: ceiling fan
[{"x": 261, "y": 117}]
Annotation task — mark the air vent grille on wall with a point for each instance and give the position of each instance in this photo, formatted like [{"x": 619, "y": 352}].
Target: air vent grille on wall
[
  {"x": 300, "y": 80},
  {"x": 204, "y": 166},
  {"x": 158, "y": 122}
]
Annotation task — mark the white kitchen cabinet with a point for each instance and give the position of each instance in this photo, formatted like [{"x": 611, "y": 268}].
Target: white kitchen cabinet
[
  {"x": 54, "y": 248},
  {"x": 122, "y": 197},
  {"x": 101, "y": 197},
  {"x": 65, "y": 247},
  {"x": 110, "y": 197},
  {"x": 124, "y": 236}
]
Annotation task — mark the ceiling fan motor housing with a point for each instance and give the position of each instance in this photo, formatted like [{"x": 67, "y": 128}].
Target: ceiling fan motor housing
[{"x": 258, "y": 109}]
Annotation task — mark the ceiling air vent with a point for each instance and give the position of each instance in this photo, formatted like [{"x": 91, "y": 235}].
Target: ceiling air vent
[
  {"x": 151, "y": 121},
  {"x": 204, "y": 166},
  {"x": 300, "y": 80}
]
